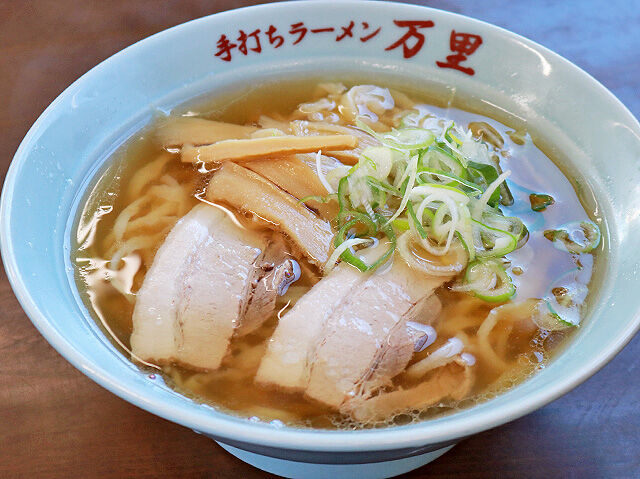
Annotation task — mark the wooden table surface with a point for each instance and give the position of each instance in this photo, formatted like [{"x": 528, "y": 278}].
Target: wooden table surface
[{"x": 56, "y": 423}]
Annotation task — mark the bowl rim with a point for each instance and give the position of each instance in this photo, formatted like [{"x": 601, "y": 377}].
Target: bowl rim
[{"x": 227, "y": 426}]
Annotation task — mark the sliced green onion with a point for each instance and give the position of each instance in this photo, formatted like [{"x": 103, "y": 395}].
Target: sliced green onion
[
  {"x": 465, "y": 233},
  {"x": 355, "y": 218},
  {"x": 347, "y": 256},
  {"x": 565, "y": 297},
  {"x": 402, "y": 139},
  {"x": 539, "y": 202},
  {"x": 384, "y": 186},
  {"x": 437, "y": 157},
  {"x": 342, "y": 249},
  {"x": 334, "y": 175},
  {"x": 343, "y": 186},
  {"x": 450, "y": 136},
  {"x": 438, "y": 225},
  {"x": 484, "y": 175},
  {"x": 510, "y": 224},
  {"x": 500, "y": 242},
  {"x": 401, "y": 224},
  {"x": 380, "y": 160},
  {"x": 577, "y": 237},
  {"x": 380, "y": 189},
  {"x": 410, "y": 138},
  {"x": 391, "y": 236},
  {"x": 452, "y": 209},
  {"x": 417, "y": 223},
  {"x": 447, "y": 139},
  {"x": 489, "y": 281},
  {"x": 410, "y": 173},
  {"x": 429, "y": 191},
  {"x": 546, "y": 318},
  {"x": 506, "y": 198},
  {"x": 475, "y": 190},
  {"x": 481, "y": 203},
  {"x": 414, "y": 261},
  {"x": 434, "y": 188}
]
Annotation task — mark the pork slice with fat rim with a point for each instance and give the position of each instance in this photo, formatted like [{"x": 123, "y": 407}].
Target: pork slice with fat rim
[
  {"x": 287, "y": 362},
  {"x": 406, "y": 337},
  {"x": 364, "y": 333},
  {"x": 197, "y": 290}
]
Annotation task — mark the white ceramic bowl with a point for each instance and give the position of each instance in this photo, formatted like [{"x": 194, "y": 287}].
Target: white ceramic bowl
[{"x": 76, "y": 134}]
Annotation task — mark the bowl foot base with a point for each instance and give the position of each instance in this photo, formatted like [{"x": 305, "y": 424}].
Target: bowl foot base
[{"x": 299, "y": 470}]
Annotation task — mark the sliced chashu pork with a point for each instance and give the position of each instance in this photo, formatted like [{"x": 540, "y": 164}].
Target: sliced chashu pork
[
  {"x": 370, "y": 322},
  {"x": 349, "y": 334},
  {"x": 406, "y": 337},
  {"x": 201, "y": 287},
  {"x": 287, "y": 362}
]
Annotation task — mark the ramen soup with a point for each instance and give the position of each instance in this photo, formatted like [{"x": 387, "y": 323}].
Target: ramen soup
[{"x": 347, "y": 257}]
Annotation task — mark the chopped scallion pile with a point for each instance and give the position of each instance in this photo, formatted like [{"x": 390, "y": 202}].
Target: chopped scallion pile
[{"x": 435, "y": 195}]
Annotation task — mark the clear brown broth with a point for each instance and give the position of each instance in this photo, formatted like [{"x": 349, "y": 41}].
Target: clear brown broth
[{"x": 231, "y": 388}]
